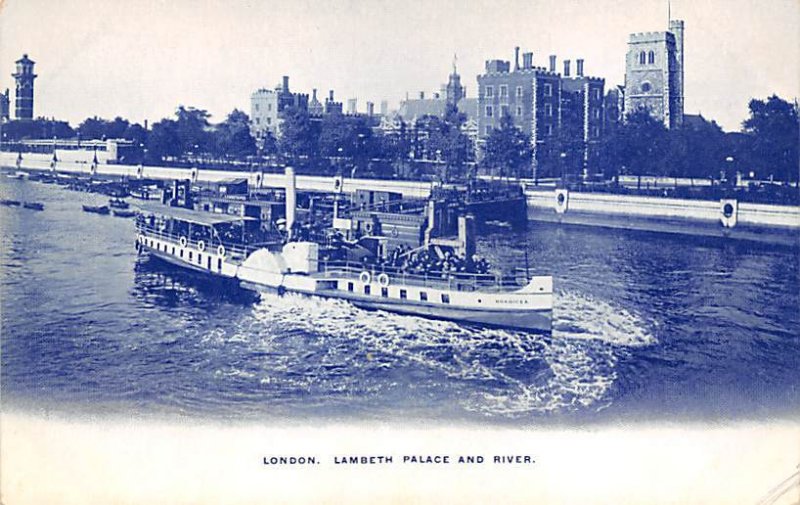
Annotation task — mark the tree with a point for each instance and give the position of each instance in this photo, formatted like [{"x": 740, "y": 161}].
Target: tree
[
  {"x": 773, "y": 127},
  {"x": 163, "y": 140},
  {"x": 192, "y": 130},
  {"x": 507, "y": 151},
  {"x": 233, "y": 138},
  {"x": 37, "y": 129},
  {"x": 93, "y": 128},
  {"x": 443, "y": 140},
  {"x": 298, "y": 136}
]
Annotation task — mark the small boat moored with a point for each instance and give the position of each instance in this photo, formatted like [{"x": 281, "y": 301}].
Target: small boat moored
[
  {"x": 96, "y": 209},
  {"x": 10, "y": 203},
  {"x": 33, "y": 205},
  {"x": 118, "y": 203},
  {"x": 123, "y": 213}
]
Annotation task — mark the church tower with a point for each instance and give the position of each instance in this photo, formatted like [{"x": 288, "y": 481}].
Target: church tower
[
  {"x": 454, "y": 91},
  {"x": 24, "y": 97}
]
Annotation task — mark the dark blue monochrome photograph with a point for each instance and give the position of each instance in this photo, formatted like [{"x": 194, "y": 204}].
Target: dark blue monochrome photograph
[{"x": 372, "y": 251}]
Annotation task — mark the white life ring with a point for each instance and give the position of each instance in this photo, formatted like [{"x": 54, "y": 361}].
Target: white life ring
[
  {"x": 365, "y": 277},
  {"x": 183, "y": 241},
  {"x": 201, "y": 246},
  {"x": 369, "y": 226},
  {"x": 221, "y": 250},
  {"x": 383, "y": 280},
  {"x": 395, "y": 233}
]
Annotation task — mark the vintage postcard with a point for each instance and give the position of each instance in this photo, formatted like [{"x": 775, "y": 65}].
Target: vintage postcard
[{"x": 372, "y": 251}]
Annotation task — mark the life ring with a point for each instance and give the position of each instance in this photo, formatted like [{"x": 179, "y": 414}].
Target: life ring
[
  {"x": 395, "y": 233},
  {"x": 369, "y": 226},
  {"x": 183, "y": 242},
  {"x": 383, "y": 280},
  {"x": 201, "y": 246},
  {"x": 365, "y": 277},
  {"x": 281, "y": 290},
  {"x": 221, "y": 250}
]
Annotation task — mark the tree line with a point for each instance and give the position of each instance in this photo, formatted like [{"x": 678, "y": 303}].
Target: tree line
[{"x": 767, "y": 145}]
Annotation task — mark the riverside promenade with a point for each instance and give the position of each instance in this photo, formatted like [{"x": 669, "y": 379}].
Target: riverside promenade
[{"x": 725, "y": 218}]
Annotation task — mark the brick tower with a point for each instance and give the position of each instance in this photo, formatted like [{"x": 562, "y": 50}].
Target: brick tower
[{"x": 24, "y": 97}]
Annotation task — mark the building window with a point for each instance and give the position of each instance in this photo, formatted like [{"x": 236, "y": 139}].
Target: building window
[
  {"x": 489, "y": 91},
  {"x": 445, "y": 298},
  {"x": 519, "y": 91},
  {"x": 269, "y": 120},
  {"x": 256, "y": 106},
  {"x": 423, "y": 296},
  {"x": 596, "y": 131},
  {"x": 350, "y": 286},
  {"x": 548, "y": 110},
  {"x": 642, "y": 58},
  {"x": 519, "y": 111},
  {"x": 549, "y": 130},
  {"x": 269, "y": 106},
  {"x": 403, "y": 294},
  {"x": 384, "y": 292},
  {"x": 651, "y": 57},
  {"x": 503, "y": 110},
  {"x": 503, "y": 91},
  {"x": 367, "y": 289},
  {"x": 646, "y": 87},
  {"x": 489, "y": 111},
  {"x": 488, "y": 130},
  {"x": 597, "y": 113},
  {"x": 548, "y": 89},
  {"x": 597, "y": 93}
]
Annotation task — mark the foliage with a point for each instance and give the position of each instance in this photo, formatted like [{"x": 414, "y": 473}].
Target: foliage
[
  {"x": 443, "y": 140},
  {"x": 36, "y": 129},
  {"x": 232, "y": 137},
  {"x": 773, "y": 130},
  {"x": 163, "y": 140},
  {"x": 299, "y": 136},
  {"x": 507, "y": 151}
]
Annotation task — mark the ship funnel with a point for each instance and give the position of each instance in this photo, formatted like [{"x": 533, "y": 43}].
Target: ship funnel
[{"x": 291, "y": 199}]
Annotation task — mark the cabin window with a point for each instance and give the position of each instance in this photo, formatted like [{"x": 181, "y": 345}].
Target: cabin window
[
  {"x": 384, "y": 292},
  {"x": 173, "y": 250},
  {"x": 199, "y": 259},
  {"x": 423, "y": 296},
  {"x": 190, "y": 255},
  {"x": 445, "y": 298},
  {"x": 367, "y": 289},
  {"x": 219, "y": 264},
  {"x": 208, "y": 263},
  {"x": 403, "y": 294},
  {"x": 181, "y": 253},
  {"x": 350, "y": 286}
]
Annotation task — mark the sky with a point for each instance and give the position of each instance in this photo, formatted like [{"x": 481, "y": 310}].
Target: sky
[{"x": 140, "y": 59}]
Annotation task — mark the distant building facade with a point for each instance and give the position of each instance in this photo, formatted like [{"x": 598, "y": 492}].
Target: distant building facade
[
  {"x": 654, "y": 74},
  {"x": 562, "y": 113},
  {"x": 266, "y": 106},
  {"x": 5, "y": 107},
  {"x": 24, "y": 76},
  {"x": 452, "y": 93}
]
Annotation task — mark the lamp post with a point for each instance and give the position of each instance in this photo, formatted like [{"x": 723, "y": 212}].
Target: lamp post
[{"x": 563, "y": 164}]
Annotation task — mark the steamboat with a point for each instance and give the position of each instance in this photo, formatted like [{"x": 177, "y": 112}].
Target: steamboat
[{"x": 352, "y": 260}]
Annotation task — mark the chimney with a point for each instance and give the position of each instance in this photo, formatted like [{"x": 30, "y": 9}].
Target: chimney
[
  {"x": 552, "y": 62},
  {"x": 527, "y": 61},
  {"x": 422, "y": 95},
  {"x": 566, "y": 68},
  {"x": 285, "y": 83},
  {"x": 516, "y": 58},
  {"x": 330, "y": 95},
  {"x": 579, "y": 69},
  {"x": 314, "y": 94},
  {"x": 370, "y": 109}
]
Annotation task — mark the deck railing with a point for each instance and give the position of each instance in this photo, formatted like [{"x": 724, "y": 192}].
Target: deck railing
[
  {"x": 235, "y": 250},
  {"x": 459, "y": 281}
]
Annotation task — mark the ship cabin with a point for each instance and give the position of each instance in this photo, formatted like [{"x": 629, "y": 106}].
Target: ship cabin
[{"x": 190, "y": 235}]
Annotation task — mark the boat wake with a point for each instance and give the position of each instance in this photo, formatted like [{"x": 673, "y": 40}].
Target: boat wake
[{"x": 322, "y": 346}]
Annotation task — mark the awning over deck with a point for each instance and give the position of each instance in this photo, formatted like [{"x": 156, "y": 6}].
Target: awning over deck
[{"x": 189, "y": 215}]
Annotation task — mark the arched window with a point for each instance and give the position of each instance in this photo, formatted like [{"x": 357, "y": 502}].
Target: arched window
[
  {"x": 651, "y": 57},
  {"x": 642, "y": 58}
]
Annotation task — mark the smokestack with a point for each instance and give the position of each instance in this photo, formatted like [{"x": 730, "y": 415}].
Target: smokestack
[
  {"x": 370, "y": 109},
  {"x": 527, "y": 61},
  {"x": 330, "y": 95},
  {"x": 285, "y": 83},
  {"x": 291, "y": 199},
  {"x": 422, "y": 95},
  {"x": 579, "y": 69},
  {"x": 516, "y": 58},
  {"x": 566, "y": 68},
  {"x": 314, "y": 94},
  {"x": 552, "y": 62}
]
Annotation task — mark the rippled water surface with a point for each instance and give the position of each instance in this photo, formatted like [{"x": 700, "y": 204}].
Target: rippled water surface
[{"x": 646, "y": 326}]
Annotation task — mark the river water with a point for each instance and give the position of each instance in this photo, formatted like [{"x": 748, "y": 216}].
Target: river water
[{"x": 647, "y": 326}]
